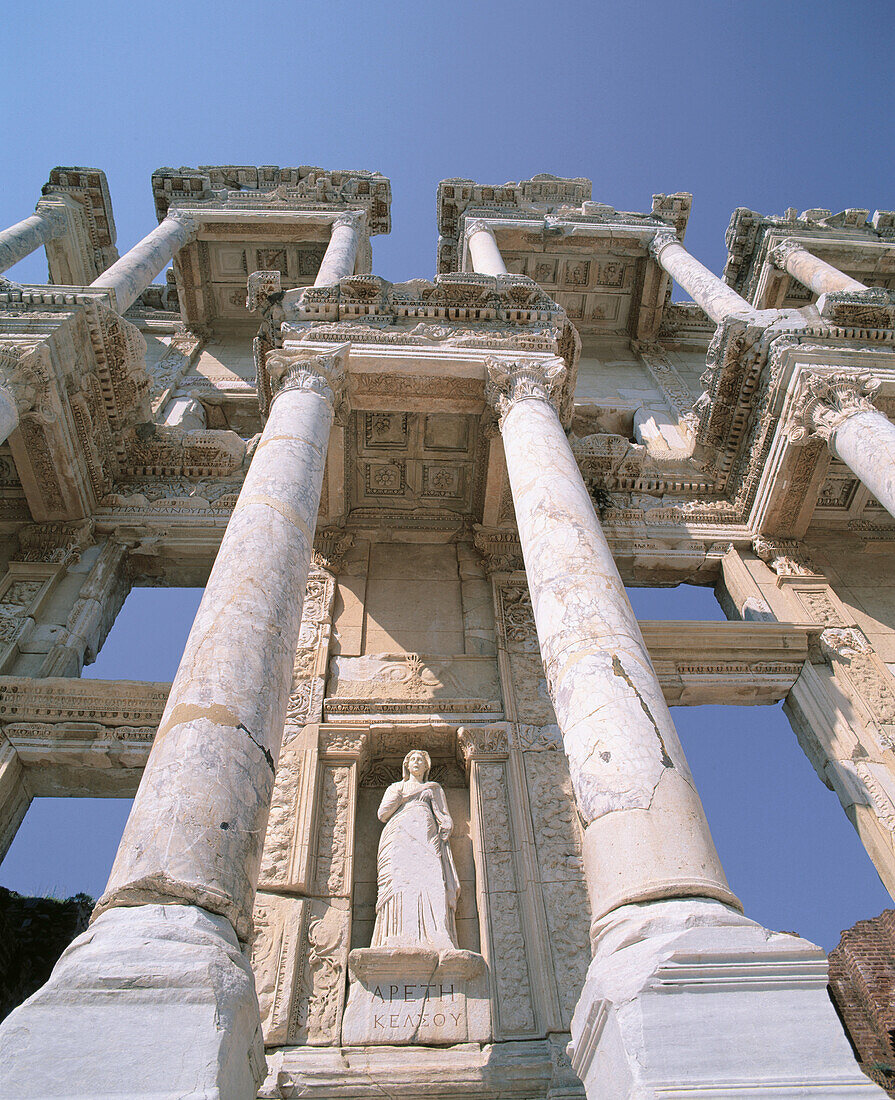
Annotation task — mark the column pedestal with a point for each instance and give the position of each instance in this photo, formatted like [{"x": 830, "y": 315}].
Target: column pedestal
[
  {"x": 156, "y": 1001},
  {"x": 750, "y": 1015},
  {"x": 690, "y": 999}
]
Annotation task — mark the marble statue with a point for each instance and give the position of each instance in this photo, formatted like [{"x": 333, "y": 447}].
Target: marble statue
[{"x": 417, "y": 880}]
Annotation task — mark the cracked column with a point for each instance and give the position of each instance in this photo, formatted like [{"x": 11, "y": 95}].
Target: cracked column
[
  {"x": 160, "y": 972},
  {"x": 705, "y": 288},
  {"x": 816, "y": 274},
  {"x": 484, "y": 254},
  {"x": 23, "y": 238},
  {"x": 679, "y": 976},
  {"x": 133, "y": 273},
  {"x": 646, "y": 834},
  {"x": 836, "y": 407},
  {"x": 341, "y": 252}
]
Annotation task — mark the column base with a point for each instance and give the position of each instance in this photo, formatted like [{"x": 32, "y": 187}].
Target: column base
[
  {"x": 688, "y": 998},
  {"x": 151, "y": 1001}
]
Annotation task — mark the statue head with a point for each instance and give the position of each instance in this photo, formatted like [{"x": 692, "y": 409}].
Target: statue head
[{"x": 426, "y": 764}]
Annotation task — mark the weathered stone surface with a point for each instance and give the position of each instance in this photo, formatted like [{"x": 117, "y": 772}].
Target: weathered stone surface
[
  {"x": 164, "y": 987},
  {"x": 673, "y": 988}
]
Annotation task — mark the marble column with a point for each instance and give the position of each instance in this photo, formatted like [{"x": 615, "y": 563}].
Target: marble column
[
  {"x": 341, "y": 252},
  {"x": 705, "y": 288},
  {"x": 484, "y": 255},
  {"x": 816, "y": 274},
  {"x": 645, "y": 831},
  {"x": 678, "y": 974},
  {"x": 133, "y": 273},
  {"x": 157, "y": 998},
  {"x": 21, "y": 239},
  {"x": 197, "y": 827},
  {"x": 837, "y": 408}
]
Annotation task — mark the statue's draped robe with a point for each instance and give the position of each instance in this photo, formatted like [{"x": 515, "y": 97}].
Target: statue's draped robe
[{"x": 417, "y": 879}]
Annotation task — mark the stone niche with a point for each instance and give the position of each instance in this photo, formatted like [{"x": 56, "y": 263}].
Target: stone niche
[{"x": 412, "y": 996}]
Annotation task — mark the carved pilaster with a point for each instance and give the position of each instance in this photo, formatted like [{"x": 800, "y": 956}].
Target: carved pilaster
[
  {"x": 827, "y": 401},
  {"x": 788, "y": 557},
  {"x": 330, "y": 547},
  {"x": 514, "y": 380}
]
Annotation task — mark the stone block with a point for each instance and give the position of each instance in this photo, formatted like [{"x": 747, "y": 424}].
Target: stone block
[{"x": 152, "y": 1001}]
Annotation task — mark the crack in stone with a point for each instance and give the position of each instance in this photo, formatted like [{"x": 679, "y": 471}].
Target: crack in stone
[
  {"x": 618, "y": 670},
  {"x": 267, "y": 753}
]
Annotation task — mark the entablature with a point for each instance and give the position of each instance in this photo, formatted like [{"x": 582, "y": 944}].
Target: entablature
[
  {"x": 593, "y": 259},
  {"x": 862, "y": 249},
  {"x": 250, "y": 219}
]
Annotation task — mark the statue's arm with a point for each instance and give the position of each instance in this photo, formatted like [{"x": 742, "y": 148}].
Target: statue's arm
[
  {"x": 391, "y": 800},
  {"x": 441, "y": 811}
]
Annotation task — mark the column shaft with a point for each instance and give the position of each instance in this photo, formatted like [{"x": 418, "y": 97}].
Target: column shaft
[
  {"x": 865, "y": 441},
  {"x": 136, "y": 269},
  {"x": 483, "y": 249},
  {"x": 21, "y": 239},
  {"x": 812, "y": 272},
  {"x": 341, "y": 252},
  {"x": 646, "y": 835},
  {"x": 196, "y": 831},
  {"x": 704, "y": 287}
]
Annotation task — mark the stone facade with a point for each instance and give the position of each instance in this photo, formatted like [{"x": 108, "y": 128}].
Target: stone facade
[{"x": 414, "y": 507}]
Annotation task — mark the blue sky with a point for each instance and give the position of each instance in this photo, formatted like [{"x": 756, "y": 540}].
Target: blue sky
[{"x": 761, "y": 104}]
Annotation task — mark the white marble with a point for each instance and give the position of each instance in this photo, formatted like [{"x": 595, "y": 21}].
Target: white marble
[
  {"x": 816, "y": 274},
  {"x": 155, "y": 1001},
  {"x": 417, "y": 881},
  {"x": 196, "y": 830},
  {"x": 341, "y": 252},
  {"x": 837, "y": 407},
  {"x": 705, "y": 288},
  {"x": 132, "y": 274},
  {"x": 21, "y": 239},
  {"x": 186, "y": 413},
  {"x": 646, "y": 835},
  {"x": 484, "y": 253},
  {"x": 413, "y": 984},
  {"x": 865, "y": 441},
  {"x": 690, "y": 999},
  {"x": 9, "y": 413}
]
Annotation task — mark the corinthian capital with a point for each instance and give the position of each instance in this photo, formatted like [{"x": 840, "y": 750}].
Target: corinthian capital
[
  {"x": 512, "y": 380},
  {"x": 781, "y": 252},
  {"x": 53, "y": 212},
  {"x": 476, "y": 225},
  {"x": 827, "y": 400},
  {"x": 184, "y": 218},
  {"x": 662, "y": 238},
  {"x": 353, "y": 219},
  {"x": 318, "y": 372}
]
